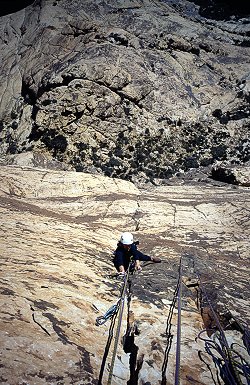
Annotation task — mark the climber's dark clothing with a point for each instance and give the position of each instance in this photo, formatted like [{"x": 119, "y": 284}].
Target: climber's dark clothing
[{"x": 123, "y": 256}]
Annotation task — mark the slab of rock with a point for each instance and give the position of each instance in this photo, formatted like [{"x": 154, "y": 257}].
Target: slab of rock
[{"x": 58, "y": 232}]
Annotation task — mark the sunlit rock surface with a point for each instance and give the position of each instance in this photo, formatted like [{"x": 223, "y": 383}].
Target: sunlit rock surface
[
  {"x": 58, "y": 231},
  {"x": 126, "y": 87}
]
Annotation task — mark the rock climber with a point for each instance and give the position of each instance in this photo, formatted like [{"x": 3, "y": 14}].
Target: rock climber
[{"x": 126, "y": 251}]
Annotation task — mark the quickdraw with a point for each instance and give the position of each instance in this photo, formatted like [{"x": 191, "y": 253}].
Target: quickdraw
[
  {"x": 231, "y": 364},
  {"x": 118, "y": 330},
  {"x": 109, "y": 313},
  {"x": 112, "y": 314}
]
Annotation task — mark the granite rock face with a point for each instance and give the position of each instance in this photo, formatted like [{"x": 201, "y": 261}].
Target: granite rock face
[
  {"x": 236, "y": 175},
  {"x": 58, "y": 232},
  {"x": 138, "y": 90},
  {"x": 126, "y": 87}
]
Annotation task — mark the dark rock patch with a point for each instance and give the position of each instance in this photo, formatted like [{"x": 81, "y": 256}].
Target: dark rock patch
[
  {"x": 8, "y": 6},
  {"x": 222, "y": 10}
]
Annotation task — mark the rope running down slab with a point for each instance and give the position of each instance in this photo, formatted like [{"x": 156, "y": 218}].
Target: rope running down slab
[
  {"x": 178, "y": 343},
  {"x": 118, "y": 330}
]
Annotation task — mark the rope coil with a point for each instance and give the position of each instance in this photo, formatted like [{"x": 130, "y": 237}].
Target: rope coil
[{"x": 221, "y": 353}]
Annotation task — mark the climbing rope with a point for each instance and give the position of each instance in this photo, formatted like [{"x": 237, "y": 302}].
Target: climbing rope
[
  {"x": 106, "y": 352},
  {"x": 177, "y": 295},
  {"x": 245, "y": 332},
  {"x": 178, "y": 343},
  {"x": 220, "y": 351},
  {"x": 118, "y": 330},
  {"x": 230, "y": 363},
  {"x": 112, "y": 314},
  {"x": 169, "y": 334}
]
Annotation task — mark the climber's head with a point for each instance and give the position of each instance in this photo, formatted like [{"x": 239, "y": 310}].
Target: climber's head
[{"x": 126, "y": 240}]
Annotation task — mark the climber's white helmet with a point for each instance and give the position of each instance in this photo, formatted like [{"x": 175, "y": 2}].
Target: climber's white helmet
[{"x": 127, "y": 239}]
